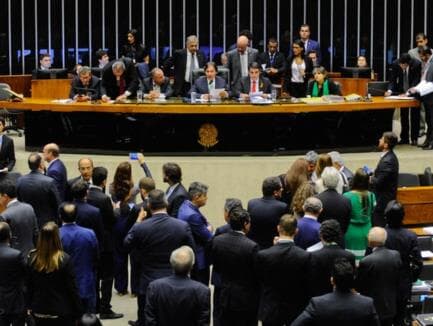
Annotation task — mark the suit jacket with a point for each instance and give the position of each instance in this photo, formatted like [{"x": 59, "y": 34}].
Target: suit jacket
[
  {"x": 308, "y": 232},
  {"x": 278, "y": 63},
  {"x": 54, "y": 293},
  {"x": 81, "y": 245},
  {"x": 282, "y": 301},
  {"x": 265, "y": 215},
  {"x": 177, "y": 300},
  {"x": 334, "y": 89},
  {"x": 234, "y": 259},
  {"x": 396, "y": 80},
  {"x": 335, "y": 206},
  {"x": 339, "y": 309},
  {"x": 201, "y": 85},
  {"x": 288, "y": 75},
  {"x": 94, "y": 88},
  {"x": 41, "y": 192},
  {"x": 322, "y": 262},
  {"x": 179, "y": 61},
  {"x": 7, "y": 153},
  {"x": 348, "y": 174},
  {"x": 414, "y": 53},
  {"x": 243, "y": 86},
  {"x": 198, "y": 224},
  {"x": 234, "y": 63},
  {"x": 24, "y": 226},
  {"x": 153, "y": 241},
  {"x": 57, "y": 171},
  {"x": 89, "y": 216},
  {"x": 177, "y": 197},
  {"x": 100, "y": 200},
  {"x": 379, "y": 278},
  {"x": 12, "y": 276},
  {"x": 109, "y": 84},
  {"x": 165, "y": 87},
  {"x": 69, "y": 184}
]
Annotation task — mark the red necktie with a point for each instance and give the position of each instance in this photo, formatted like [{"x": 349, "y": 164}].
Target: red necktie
[
  {"x": 254, "y": 88},
  {"x": 122, "y": 86}
]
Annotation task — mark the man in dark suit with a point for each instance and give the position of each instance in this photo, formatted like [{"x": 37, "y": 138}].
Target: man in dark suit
[
  {"x": 204, "y": 85},
  {"x": 406, "y": 73},
  {"x": 7, "y": 151},
  {"x": 157, "y": 84},
  {"x": 335, "y": 206},
  {"x": 12, "y": 277},
  {"x": 85, "y": 167},
  {"x": 82, "y": 246},
  {"x": 184, "y": 61},
  {"x": 273, "y": 61},
  {"x": 253, "y": 83},
  {"x": 266, "y": 212},
  {"x": 56, "y": 169},
  {"x": 309, "y": 44},
  {"x": 322, "y": 260},
  {"x": 308, "y": 227},
  {"x": 153, "y": 240},
  {"x": 239, "y": 59},
  {"x": 85, "y": 86},
  {"x": 176, "y": 299},
  {"x": 281, "y": 301},
  {"x": 385, "y": 178},
  {"x": 21, "y": 218},
  {"x": 176, "y": 193},
  {"x": 379, "y": 276},
  {"x": 99, "y": 199},
  {"x": 343, "y": 306},
  {"x": 119, "y": 80},
  {"x": 234, "y": 256},
  {"x": 39, "y": 191}
]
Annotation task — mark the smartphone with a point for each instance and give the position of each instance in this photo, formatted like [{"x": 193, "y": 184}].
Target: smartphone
[{"x": 133, "y": 156}]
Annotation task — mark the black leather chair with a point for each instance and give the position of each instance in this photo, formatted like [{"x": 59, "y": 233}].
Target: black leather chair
[
  {"x": 222, "y": 72},
  {"x": 377, "y": 88},
  {"x": 408, "y": 180}
]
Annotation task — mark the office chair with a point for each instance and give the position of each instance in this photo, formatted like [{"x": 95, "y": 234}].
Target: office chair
[
  {"x": 408, "y": 180},
  {"x": 11, "y": 118},
  {"x": 377, "y": 88}
]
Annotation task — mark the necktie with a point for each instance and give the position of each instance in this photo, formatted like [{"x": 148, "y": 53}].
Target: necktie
[
  {"x": 254, "y": 88},
  {"x": 210, "y": 85},
  {"x": 405, "y": 80},
  {"x": 272, "y": 59},
  {"x": 192, "y": 66},
  {"x": 122, "y": 86}
]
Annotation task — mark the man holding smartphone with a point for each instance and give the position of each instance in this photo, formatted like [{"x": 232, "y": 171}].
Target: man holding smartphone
[{"x": 85, "y": 87}]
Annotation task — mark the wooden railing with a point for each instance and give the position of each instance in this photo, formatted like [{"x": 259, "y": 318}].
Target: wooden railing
[{"x": 418, "y": 205}]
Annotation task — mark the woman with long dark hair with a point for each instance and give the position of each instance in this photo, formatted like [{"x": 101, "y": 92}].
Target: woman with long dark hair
[
  {"x": 299, "y": 68},
  {"x": 133, "y": 49}
]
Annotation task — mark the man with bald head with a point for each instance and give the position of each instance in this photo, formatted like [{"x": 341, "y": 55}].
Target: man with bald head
[
  {"x": 85, "y": 167},
  {"x": 157, "y": 84},
  {"x": 184, "y": 61},
  {"x": 379, "y": 275},
  {"x": 119, "y": 80},
  {"x": 239, "y": 59},
  {"x": 55, "y": 169}
]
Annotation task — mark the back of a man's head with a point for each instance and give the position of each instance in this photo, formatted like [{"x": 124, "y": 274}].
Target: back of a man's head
[
  {"x": 157, "y": 200},
  {"x": 343, "y": 275},
  {"x": 376, "y": 237},
  {"x": 147, "y": 184},
  {"x": 330, "y": 231},
  {"x": 182, "y": 260},
  {"x": 68, "y": 212},
  {"x": 287, "y": 225},
  {"x": 5, "y": 232},
  {"x": 79, "y": 190},
  {"x": 99, "y": 175},
  {"x": 231, "y": 204},
  {"x": 34, "y": 161},
  {"x": 312, "y": 206},
  {"x": 9, "y": 188},
  {"x": 330, "y": 177},
  {"x": 394, "y": 214},
  {"x": 270, "y": 185},
  {"x": 238, "y": 219}
]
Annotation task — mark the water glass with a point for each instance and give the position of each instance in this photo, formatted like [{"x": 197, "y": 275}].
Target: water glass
[
  {"x": 193, "y": 97},
  {"x": 139, "y": 96},
  {"x": 274, "y": 95}
]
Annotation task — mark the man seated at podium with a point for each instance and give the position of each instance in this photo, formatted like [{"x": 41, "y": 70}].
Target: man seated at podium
[
  {"x": 205, "y": 85},
  {"x": 118, "y": 80},
  {"x": 85, "y": 86},
  {"x": 157, "y": 84},
  {"x": 253, "y": 83},
  {"x": 322, "y": 85}
]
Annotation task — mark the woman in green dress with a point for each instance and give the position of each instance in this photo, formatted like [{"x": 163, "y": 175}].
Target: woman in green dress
[{"x": 363, "y": 202}]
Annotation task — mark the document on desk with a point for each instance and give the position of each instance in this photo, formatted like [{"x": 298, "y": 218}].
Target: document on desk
[
  {"x": 63, "y": 101},
  {"x": 425, "y": 254},
  {"x": 428, "y": 229},
  {"x": 216, "y": 93},
  {"x": 397, "y": 97}
]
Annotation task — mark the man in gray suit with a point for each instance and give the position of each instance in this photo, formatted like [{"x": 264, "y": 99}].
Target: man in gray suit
[
  {"x": 421, "y": 41},
  {"x": 239, "y": 59},
  {"x": 21, "y": 218}
]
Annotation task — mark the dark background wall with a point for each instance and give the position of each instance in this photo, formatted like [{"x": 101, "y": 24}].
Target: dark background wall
[{"x": 72, "y": 30}]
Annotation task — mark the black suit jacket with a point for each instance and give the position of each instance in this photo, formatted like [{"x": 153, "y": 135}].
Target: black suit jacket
[
  {"x": 379, "y": 278},
  {"x": 339, "y": 309},
  {"x": 179, "y": 61},
  {"x": 94, "y": 87},
  {"x": 109, "y": 85},
  {"x": 279, "y": 64},
  {"x": 41, "y": 192},
  {"x": 7, "y": 153},
  {"x": 176, "y": 199},
  {"x": 69, "y": 184},
  {"x": 396, "y": 80},
  {"x": 12, "y": 275},
  {"x": 100, "y": 200},
  {"x": 165, "y": 87},
  {"x": 384, "y": 183},
  {"x": 244, "y": 84},
  {"x": 335, "y": 206},
  {"x": 234, "y": 258},
  {"x": 322, "y": 262},
  {"x": 177, "y": 300},
  {"x": 90, "y": 217},
  {"x": 283, "y": 271},
  {"x": 265, "y": 215}
]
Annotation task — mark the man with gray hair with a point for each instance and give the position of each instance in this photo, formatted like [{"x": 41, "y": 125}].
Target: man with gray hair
[
  {"x": 85, "y": 86},
  {"x": 157, "y": 84},
  {"x": 184, "y": 61},
  {"x": 178, "y": 300},
  {"x": 118, "y": 80},
  {"x": 311, "y": 157},
  {"x": 308, "y": 226},
  {"x": 338, "y": 163},
  {"x": 201, "y": 230},
  {"x": 379, "y": 276},
  {"x": 335, "y": 205}
]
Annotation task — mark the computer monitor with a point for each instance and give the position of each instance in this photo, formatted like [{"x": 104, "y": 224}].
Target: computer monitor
[
  {"x": 355, "y": 72},
  {"x": 61, "y": 73},
  {"x": 377, "y": 88}
]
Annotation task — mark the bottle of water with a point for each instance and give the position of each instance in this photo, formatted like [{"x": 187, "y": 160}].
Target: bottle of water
[{"x": 193, "y": 97}]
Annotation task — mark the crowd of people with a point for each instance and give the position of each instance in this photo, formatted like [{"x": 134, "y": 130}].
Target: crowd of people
[{"x": 321, "y": 244}]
